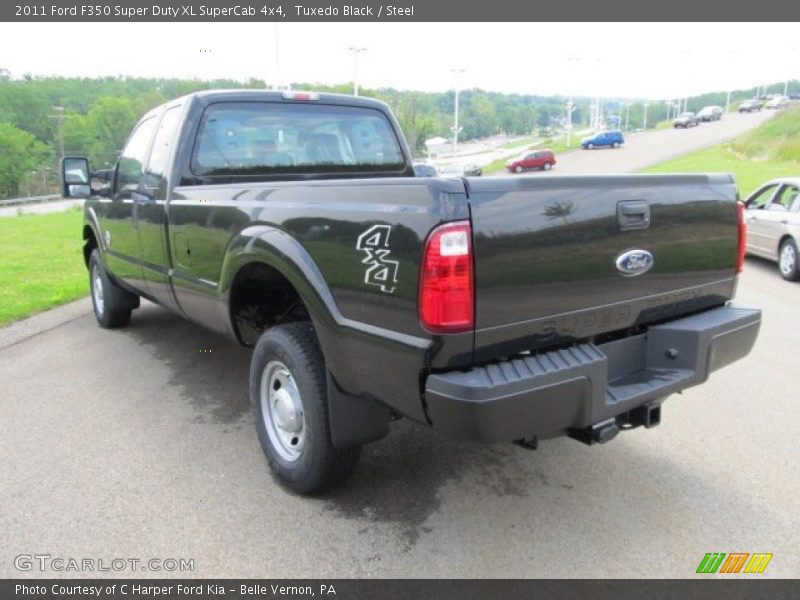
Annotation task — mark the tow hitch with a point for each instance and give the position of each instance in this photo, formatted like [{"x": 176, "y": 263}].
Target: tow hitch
[{"x": 648, "y": 415}]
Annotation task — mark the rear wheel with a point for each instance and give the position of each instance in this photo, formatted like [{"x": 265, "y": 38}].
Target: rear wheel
[
  {"x": 112, "y": 305},
  {"x": 788, "y": 261},
  {"x": 289, "y": 397},
  {"x": 518, "y": 169}
]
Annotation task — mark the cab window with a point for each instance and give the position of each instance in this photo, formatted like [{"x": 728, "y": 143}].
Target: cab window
[
  {"x": 131, "y": 161},
  {"x": 270, "y": 138}
]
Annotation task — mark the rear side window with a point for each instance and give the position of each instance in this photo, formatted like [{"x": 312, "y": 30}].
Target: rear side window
[{"x": 265, "y": 138}]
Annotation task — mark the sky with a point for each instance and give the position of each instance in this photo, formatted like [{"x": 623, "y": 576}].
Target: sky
[{"x": 656, "y": 61}]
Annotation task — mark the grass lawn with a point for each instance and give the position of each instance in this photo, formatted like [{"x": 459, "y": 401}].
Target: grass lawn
[
  {"x": 519, "y": 143},
  {"x": 749, "y": 173},
  {"x": 42, "y": 263}
]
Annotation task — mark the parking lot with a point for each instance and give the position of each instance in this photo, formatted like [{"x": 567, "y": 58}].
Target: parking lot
[{"x": 139, "y": 444}]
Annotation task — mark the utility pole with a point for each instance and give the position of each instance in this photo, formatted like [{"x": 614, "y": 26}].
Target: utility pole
[
  {"x": 645, "y": 115},
  {"x": 456, "y": 129},
  {"x": 627, "y": 115},
  {"x": 728, "y": 102},
  {"x": 355, "y": 50}
]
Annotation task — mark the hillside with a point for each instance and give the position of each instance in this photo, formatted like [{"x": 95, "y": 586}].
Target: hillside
[{"x": 769, "y": 151}]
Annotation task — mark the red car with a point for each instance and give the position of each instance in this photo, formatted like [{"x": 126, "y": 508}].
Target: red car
[{"x": 539, "y": 159}]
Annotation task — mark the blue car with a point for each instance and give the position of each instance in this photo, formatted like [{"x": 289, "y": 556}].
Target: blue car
[{"x": 612, "y": 139}]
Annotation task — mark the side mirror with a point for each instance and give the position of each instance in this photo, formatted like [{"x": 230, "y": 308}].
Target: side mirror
[{"x": 75, "y": 177}]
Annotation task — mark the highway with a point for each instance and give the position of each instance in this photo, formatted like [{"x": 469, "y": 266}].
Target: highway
[{"x": 139, "y": 443}]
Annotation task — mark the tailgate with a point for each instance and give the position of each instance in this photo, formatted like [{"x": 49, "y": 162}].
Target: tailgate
[{"x": 559, "y": 259}]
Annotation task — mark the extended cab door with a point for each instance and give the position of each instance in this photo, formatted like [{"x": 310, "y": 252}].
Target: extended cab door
[{"x": 117, "y": 214}]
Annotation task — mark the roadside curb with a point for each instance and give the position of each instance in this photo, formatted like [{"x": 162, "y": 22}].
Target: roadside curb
[{"x": 45, "y": 321}]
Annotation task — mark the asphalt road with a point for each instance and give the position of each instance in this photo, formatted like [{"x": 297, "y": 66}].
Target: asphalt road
[
  {"x": 139, "y": 444},
  {"x": 647, "y": 148}
]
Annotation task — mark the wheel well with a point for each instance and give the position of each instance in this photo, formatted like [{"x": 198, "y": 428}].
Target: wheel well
[
  {"x": 785, "y": 237},
  {"x": 260, "y": 298},
  {"x": 89, "y": 244}
]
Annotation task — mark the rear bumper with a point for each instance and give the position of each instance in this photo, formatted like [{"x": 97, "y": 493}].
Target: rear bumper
[{"x": 586, "y": 386}]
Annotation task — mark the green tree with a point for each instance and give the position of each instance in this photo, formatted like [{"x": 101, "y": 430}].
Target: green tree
[{"x": 20, "y": 153}]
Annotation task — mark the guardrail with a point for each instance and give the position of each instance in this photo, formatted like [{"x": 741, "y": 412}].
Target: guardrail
[{"x": 29, "y": 200}]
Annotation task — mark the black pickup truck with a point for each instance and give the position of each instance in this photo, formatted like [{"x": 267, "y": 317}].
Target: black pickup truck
[{"x": 494, "y": 309}]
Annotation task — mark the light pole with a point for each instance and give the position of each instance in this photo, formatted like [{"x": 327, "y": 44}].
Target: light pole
[
  {"x": 355, "y": 50},
  {"x": 277, "y": 83},
  {"x": 456, "y": 129},
  {"x": 645, "y": 116},
  {"x": 627, "y": 115},
  {"x": 570, "y": 110},
  {"x": 728, "y": 102}
]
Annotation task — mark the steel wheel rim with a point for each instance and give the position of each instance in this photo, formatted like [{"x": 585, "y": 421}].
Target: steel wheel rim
[
  {"x": 282, "y": 411},
  {"x": 97, "y": 290},
  {"x": 788, "y": 259}
]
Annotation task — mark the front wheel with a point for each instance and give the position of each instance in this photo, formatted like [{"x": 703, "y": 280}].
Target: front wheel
[
  {"x": 289, "y": 397},
  {"x": 547, "y": 166},
  {"x": 518, "y": 169},
  {"x": 590, "y": 146},
  {"x": 112, "y": 305},
  {"x": 615, "y": 145},
  {"x": 787, "y": 261}
]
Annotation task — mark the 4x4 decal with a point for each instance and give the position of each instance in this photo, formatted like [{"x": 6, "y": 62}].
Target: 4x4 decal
[{"x": 381, "y": 272}]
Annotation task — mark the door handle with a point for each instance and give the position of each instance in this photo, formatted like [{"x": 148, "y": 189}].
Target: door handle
[
  {"x": 141, "y": 199},
  {"x": 633, "y": 214},
  {"x": 784, "y": 221}
]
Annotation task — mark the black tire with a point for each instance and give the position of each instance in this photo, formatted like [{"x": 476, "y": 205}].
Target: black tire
[
  {"x": 615, "y": 145},
  {"x": 590, "y": 146},
  {"x": 789, "y": 261},
  {"x": 301, "y": 455},
  {"x": 547, "y": 166},
  {"x": 518, "y": 169},
  {"x": 112, "y": 305}
]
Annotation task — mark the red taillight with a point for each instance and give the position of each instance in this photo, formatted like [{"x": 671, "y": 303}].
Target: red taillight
[
  {"x": 446, "y": 301},
  {"x": 742, "y": 248}
]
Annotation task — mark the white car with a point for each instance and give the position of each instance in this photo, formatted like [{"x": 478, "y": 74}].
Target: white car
[
  {"x": 777, "y": 102},
  {"x": 772, "y": 214}
]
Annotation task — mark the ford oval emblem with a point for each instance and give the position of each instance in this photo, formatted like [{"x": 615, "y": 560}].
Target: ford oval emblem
[{"x": 634, "y": 262}]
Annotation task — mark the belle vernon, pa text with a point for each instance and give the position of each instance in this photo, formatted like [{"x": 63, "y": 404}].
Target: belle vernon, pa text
[{"x": 162, "y": 591}]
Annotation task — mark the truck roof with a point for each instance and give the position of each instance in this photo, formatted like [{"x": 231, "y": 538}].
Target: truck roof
[{"x": 244, "y": 95}]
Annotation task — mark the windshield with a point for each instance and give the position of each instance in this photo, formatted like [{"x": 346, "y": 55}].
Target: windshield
[{"x": 264, "y": 138}]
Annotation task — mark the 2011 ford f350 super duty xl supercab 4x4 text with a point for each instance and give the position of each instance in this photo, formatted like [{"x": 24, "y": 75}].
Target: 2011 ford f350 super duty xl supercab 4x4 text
[{"x": 497, "y": 309}]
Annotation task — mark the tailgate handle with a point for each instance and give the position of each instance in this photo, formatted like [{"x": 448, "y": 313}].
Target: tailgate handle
[{"x": 633, "y": 214}]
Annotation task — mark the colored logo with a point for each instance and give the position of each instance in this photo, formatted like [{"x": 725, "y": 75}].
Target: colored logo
[
  {"x": 634, "y": 262},
  {"x": 735, "y": 562},
  {"x": 381, "y": 271}
]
